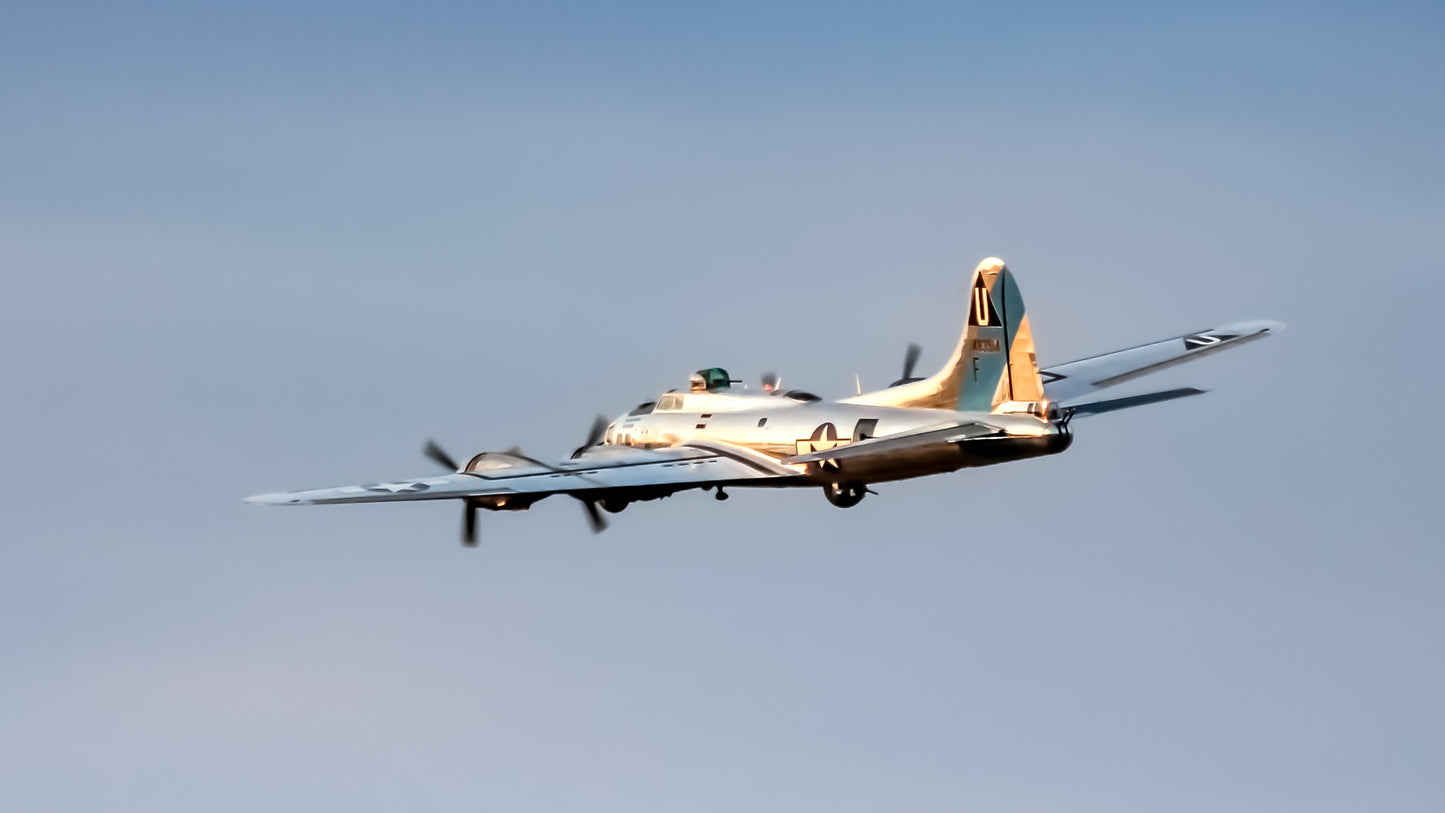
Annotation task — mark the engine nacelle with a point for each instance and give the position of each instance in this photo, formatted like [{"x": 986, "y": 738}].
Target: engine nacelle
[{"x": 506, "y": 502}]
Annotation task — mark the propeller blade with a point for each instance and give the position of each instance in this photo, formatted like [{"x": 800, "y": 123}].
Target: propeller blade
[
  {"x": 910, "y": 359},
  {"x": 598, "y": 431},
  {"x": 534, "y": 461},
  {"x": 594, "y": 436},
  {"x": 469, "y": 524},
  {"x": 594, "y": 516},
  {"x": 435, "y": 452}
]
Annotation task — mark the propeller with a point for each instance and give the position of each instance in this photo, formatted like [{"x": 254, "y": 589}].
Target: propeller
[
  {"x": 910, "y": 359},
  {"x": 469, "y": 524},
  {"x": 594, "y": 516},
  {"x": 771, "y": 383},
  {"x": 594, "y": 436},
  {"x": 440, "y": 457},
  {"x": 469, "y": 508},
  {"x": 436, "y": 454}
]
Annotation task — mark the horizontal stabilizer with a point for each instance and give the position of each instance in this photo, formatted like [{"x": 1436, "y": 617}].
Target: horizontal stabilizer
[{"x": 1128, "y": 402}]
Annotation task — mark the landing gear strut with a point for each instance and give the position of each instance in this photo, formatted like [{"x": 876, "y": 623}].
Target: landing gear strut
[{"x": 845, "y": 495}]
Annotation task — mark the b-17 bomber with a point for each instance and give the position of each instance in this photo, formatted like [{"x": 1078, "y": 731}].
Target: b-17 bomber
[{"x": 989, "y": 404}]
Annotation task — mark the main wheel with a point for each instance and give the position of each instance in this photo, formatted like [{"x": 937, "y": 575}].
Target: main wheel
[
  {"x": 612, "y": 505},
  {"x": 845, "y": 495}
]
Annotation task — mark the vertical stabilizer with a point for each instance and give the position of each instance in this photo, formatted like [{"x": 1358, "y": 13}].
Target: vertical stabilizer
[
  {"x": 994, "y": 363},
  {"x": 995, "y": 358}
]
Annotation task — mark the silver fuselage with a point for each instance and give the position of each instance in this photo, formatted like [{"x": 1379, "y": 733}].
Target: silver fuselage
[{"x": 780, "y": 427}]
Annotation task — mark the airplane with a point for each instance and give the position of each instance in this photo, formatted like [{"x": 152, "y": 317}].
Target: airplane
[{"x": 989, "y": 404}]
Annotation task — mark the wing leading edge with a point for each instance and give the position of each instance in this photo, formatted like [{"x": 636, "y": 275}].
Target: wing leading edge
[{"x": 600, "y": 470}]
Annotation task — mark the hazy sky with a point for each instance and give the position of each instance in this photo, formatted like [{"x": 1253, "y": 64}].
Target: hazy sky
[{"x": 253, "y": 247}]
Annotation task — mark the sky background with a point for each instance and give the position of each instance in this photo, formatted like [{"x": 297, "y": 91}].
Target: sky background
[{"x": 264, "y": 246}]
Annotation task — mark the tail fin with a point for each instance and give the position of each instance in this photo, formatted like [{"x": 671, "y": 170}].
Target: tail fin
[
  {"x": 994, "y": 364},
  {"x": 995, "y": 361}
]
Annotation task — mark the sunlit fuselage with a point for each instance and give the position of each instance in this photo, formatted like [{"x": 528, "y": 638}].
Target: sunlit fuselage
[{"x": 780, "y": 427}]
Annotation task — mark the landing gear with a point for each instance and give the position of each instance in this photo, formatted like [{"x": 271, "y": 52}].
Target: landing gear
[
  {"x": 720, "y": 495},
  {"x": 845, "y": 495}
]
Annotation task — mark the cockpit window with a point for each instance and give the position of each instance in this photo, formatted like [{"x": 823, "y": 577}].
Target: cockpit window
[
  {"x": 644, "y": 409},
  {"x": 670, "y": 402}
]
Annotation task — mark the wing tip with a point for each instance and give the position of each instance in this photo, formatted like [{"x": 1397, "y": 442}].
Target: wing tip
[
  {"x": 1254, "y": 327},
  {"x": 279, "y": 498}
]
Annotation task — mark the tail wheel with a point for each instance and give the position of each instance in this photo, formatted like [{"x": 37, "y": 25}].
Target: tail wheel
[{"x": 845, "y": 495}]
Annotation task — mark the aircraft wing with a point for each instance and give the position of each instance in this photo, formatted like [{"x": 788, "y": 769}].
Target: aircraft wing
[
  {"x": 497, "y": 476},
  {"x": 1076, "y": 378},
  {"x": 888, "y": 444}
]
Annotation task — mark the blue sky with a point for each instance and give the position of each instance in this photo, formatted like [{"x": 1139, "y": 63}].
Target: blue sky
[{"x": 261, "y": 247}]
